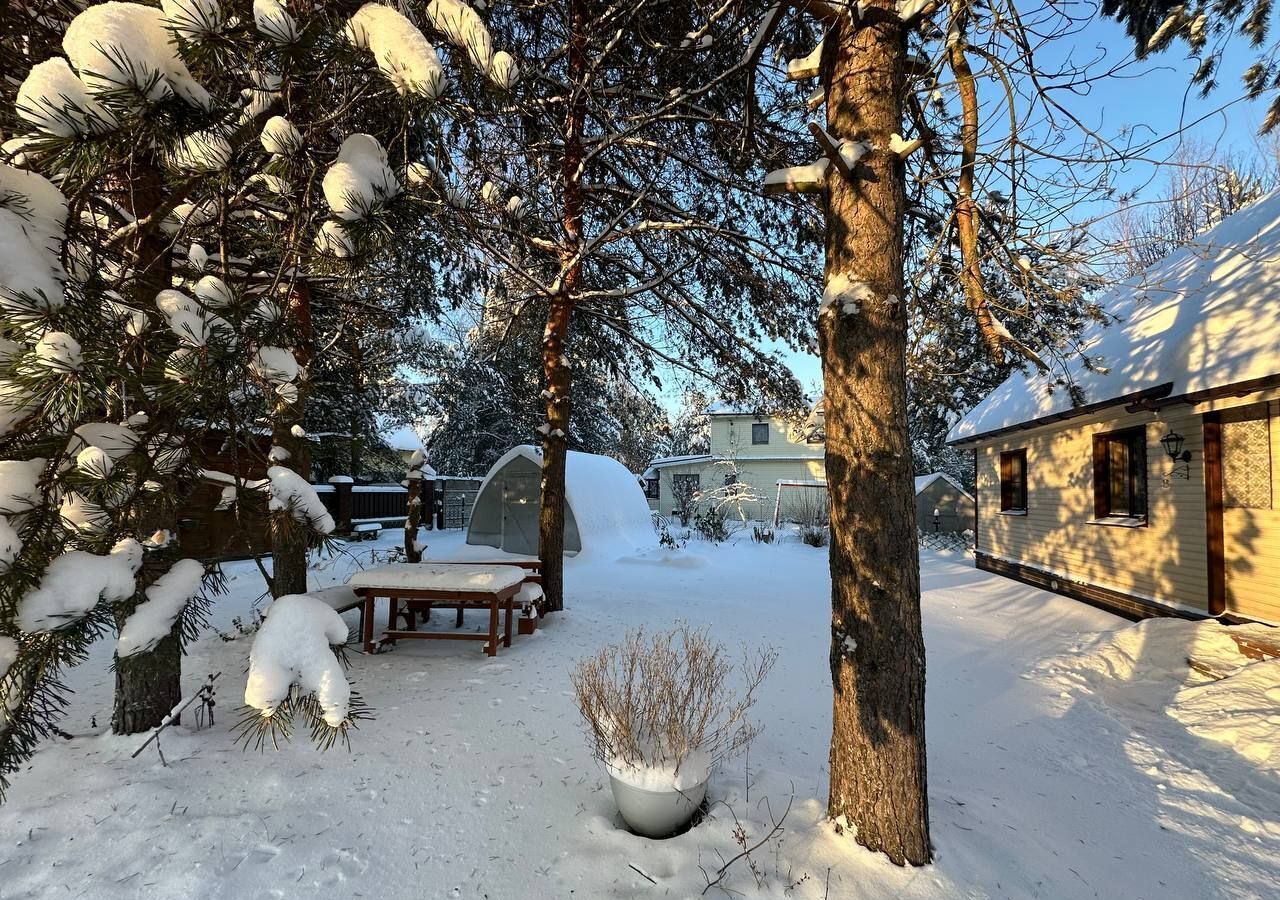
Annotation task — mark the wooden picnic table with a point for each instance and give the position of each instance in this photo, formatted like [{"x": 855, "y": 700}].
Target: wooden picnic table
[{"x": 419, "y": 586}]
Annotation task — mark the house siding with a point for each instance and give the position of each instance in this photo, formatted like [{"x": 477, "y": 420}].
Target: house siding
[
  {"x": 762, "y": 475},
  {"x": 731, "y": 436},
  {"x": 1164, "y": 562}
]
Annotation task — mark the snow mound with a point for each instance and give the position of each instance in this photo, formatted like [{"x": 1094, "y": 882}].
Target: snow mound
[
  {"x": 54, "y": 100},
  {"x": 401, "y": 51},
  {"x": 33, "y": 214},
  {"x": 128, "y": 45},
  {"x": 75, "y": 582},
  {"x": 1241, "y": 711},
  {"x": 20, "y": 484},
  {"x": 153, "y": 619},
  {"x": 360, "y": 181},
  {"x": 281, "y": 137},
  {"x": 290, "y": 491},
  {"x": 293, "y": 647}
]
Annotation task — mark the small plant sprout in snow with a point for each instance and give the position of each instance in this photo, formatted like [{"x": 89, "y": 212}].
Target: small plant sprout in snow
[
  {"x": 661, "y": 710},
  {"x": 293, "y": 668}
]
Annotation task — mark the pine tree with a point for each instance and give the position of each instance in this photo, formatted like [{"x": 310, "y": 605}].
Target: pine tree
[{"x": 161, "y": 309}]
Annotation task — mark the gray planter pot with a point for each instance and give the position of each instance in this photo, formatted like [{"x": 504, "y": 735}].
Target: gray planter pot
[{"x": 656, "y": 814}]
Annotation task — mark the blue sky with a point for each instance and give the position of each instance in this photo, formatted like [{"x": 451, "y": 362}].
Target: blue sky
[{"x": 1156, "y": 101}]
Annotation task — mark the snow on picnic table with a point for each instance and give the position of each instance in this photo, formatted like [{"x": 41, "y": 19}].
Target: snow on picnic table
[{"x": 474, "y": 780}]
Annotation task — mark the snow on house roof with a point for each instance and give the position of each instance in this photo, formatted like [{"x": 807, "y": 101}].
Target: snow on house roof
[
  {"x": 723, "y": 408},
  {"x": 663, "y": 461},
  {"x": 923, "y": 481},
  {"x": 606, "y": 499},
  {"x": 1202, "y": 318}
]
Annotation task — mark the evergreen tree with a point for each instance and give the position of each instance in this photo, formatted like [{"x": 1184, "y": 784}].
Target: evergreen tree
[{"x": 162, "y": 305}]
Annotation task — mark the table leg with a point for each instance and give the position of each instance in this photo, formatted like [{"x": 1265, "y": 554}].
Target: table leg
[
  {"x": 393, "y": 611},
  {"x": 366, "y": 623},
  {"x": 491, "y": 648},
  {"x": 458, "y": 624},
  {"x": 511, "y": 610}
]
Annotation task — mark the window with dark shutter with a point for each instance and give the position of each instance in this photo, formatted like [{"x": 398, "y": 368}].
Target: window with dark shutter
[
  {"x": 1120, "y": 474},
  {"x": 1013, "y": 481}
]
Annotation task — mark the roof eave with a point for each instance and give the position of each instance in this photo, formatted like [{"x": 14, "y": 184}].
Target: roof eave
[{"x": 1159, "y": 392}]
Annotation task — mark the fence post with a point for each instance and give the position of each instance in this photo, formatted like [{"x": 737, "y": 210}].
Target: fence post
[
  {"x": 342, "y": 485},
  {"x": 440, "y": 489},
  {"x": 428, "y": 502}
]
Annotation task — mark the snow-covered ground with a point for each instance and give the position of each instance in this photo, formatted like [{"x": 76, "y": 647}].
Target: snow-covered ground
[{"x": 1058, "y": 767}]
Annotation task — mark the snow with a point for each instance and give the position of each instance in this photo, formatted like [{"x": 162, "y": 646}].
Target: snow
[
  {"x": 909, "y": 9},
  {"x": 276, "y": 365},
  {"x": 281, "y": 137},
  {"x": 58, "y": 351},
  {"x": 843, "y": 294},
  {"x": 20, "y": 484},
  {"x": 807, "y": 66},
  {"x": 798, "y": 178},
  {"x": 691, "y": 772},
  {"x": 54, "y": 100},
  {"x": 193, "y": 19},
  {"x": 114, "y": 45},
  {"x": 399, "y": 49},
  {"x": 33, "y": 213},
  {"x": 274, "y": 22},
  {"x": 1038, "y": 788},
  {"x": 440, "y": 578},
  {"x": 10, "y": 544},
  {"x": 332, "y": 239},
  {"x": 1196, "y": 320},
  {"x": 923, "y": 481},
  {"x": 153, "y": 619},
  {"x": 290, "y": 491},
  {"x": 359, "y": 181},
  {"x": 292, "y": 646},
  {"x": 116, "y": 440},
  {"x": 83, "y": 515},
  {"x": 94, "y": 462},
  {"x": 74, "y": 583},
  {"x": 212, "y": 291},
  {"x": 203, "y": 152},
  {"x": 466, "y": 30},
  {"x": 8, "y": 655}
]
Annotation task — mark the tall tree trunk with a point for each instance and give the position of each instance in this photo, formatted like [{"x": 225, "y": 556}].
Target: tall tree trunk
[
  {"x": 289, "y": 545},
  {"x": 148, "y": 685},
  {"x": 877, "y": 651},
  {"x": 555, "y": 366}
]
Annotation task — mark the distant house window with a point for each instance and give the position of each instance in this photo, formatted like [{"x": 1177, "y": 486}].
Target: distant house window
[
  {"x": 759, "y": 432},
  {"x": 1013, "y": 481},
  {"x": 683, "y": 487},
  {"x": 652, "y": 489},
  {"x": 1120, "y": 474}
]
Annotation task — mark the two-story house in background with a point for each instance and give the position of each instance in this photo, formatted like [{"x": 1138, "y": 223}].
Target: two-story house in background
[{"x": 752, "y": 453}]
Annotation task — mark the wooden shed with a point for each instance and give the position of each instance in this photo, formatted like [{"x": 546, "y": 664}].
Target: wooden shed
[{"x": 955, "y": 507}]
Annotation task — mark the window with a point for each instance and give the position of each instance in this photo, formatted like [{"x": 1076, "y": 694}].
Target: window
[
  {"x": 683, "y": 487},
  {"x": 1013, "y": 481},
  {"x": 759, "y": 432},
  {"x": 652, "y": 489},
  {"x": 1120, "y": 474}
]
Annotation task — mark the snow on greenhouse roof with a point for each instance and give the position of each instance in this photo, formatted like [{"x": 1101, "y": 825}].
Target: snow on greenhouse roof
[
  {"x": 1203, "y": 318},
  {"x": 923, "y": 481}
]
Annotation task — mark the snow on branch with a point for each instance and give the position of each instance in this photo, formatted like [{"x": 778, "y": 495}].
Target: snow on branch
[
  {"x": 401, "y": 51},
  {"x": 292, "y": 667},
  {"x": 359, "y": 182},
  {"x": 153, "y": 619},
  {"x": 465, "y": 29},
  {"x": 808, "y": 179},
  {"x": 291, "y": 492},
  {"x": 75, "y": 582},
  {"x": 806, "y": 66},
  {"x": 127, "y": 45}
]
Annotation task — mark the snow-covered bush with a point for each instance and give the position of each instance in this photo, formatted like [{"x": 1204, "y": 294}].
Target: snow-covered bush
[{"x": 662, "y": 709}]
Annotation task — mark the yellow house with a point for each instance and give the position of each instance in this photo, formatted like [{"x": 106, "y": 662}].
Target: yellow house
[
  {"x": 750, "y": 453},
  {"x": 1149, "y": 486}
]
